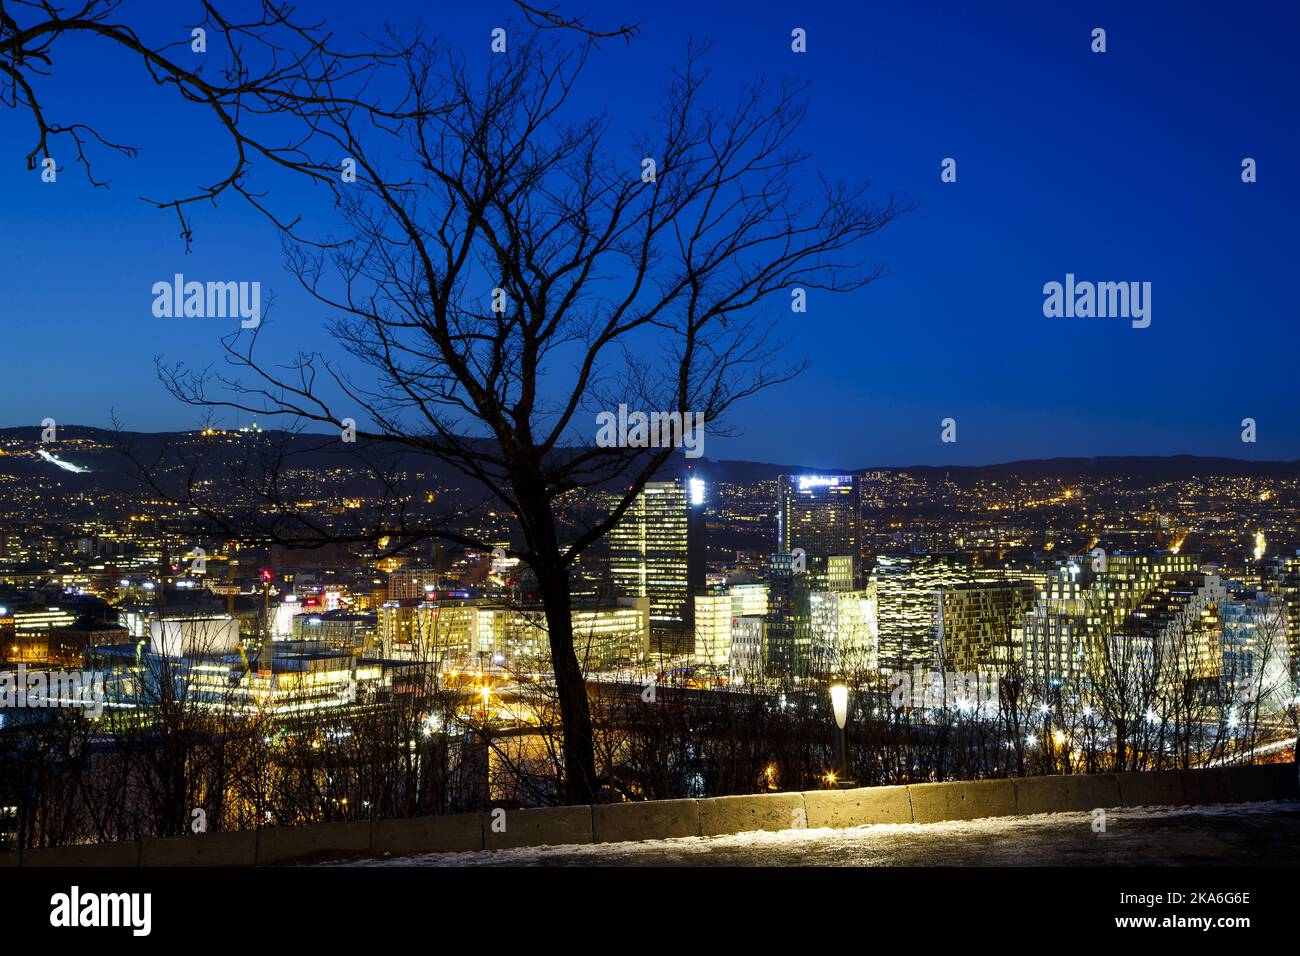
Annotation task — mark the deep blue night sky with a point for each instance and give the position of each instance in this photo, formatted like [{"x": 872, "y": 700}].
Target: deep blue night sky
[{"x": 1122, "y": 166}]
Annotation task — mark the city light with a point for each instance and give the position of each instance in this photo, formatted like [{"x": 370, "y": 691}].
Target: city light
[
  {"x": 697, "y": 491},
  {"x": 818, "y": 481}
]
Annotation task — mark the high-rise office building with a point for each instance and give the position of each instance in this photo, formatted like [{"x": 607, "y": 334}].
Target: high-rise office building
[
  {"x": 1280, "y": 575},
  {"x": 793, "y": 580},
  {"x": 656, "y": 550},
  {"x": 820, "y": 515}
]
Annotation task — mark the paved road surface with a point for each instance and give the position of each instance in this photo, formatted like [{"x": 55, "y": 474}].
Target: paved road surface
[{"x": 1257, "y": 834}]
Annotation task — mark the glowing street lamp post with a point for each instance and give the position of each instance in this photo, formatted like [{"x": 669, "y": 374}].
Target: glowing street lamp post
[{"x": 840, "y": 708}]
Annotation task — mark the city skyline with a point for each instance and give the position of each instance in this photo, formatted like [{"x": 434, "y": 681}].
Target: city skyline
[{"x": 744, "y": 435}]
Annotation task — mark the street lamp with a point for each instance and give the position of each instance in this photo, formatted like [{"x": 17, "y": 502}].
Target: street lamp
[{"x": 840, "y": 707}]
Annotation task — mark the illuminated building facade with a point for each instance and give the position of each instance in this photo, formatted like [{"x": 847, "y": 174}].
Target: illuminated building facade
[
  {"x": 28, "y": 633},
  {"x": 908, "y": 588},
  {"x": 792, "y": 581},
  {"x": 977, "y": 625},
  {"x": 483, "y": 634},
  {"x": 820, "y": 514},
  {"x": 1088, "y": 601},
  {"x": 1257, "y": 662},
  {"x": 1175, "y": 630},
  {"x": 340, "y": 629},
  {"x": 843, "y": 632},
  {"x": 1281, "y": 576},
  {"x": 411, "y": 584},
  {"x": 603, "y": 636},
  {"x": 656, "y": 551},
  {"x": 717, "y": 616}
]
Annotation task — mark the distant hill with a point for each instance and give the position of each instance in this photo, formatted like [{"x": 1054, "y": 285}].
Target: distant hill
[{"x": 97, "y": 449}]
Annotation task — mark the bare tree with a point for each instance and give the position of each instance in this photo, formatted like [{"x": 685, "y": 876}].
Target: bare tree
[
  {"x": 265, "y": 73},
  {"x": 504, "y": 272},
  {"x": 265, "y": 76}
]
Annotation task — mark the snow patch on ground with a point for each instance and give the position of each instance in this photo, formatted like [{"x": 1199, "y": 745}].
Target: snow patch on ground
[{"x": 874, "y": 844}]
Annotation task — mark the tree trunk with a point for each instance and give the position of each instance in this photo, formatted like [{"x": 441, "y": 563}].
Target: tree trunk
[{"x": 570, "y": 686}]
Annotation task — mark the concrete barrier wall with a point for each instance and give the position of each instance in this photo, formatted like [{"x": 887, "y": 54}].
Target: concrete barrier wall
[
  {"x": 1152, "y": 788},
  {"x": 446, "y": 834},
  {"x": 645, "y": 820},
  {"x": 766, "y": 811},
  {"x": 558, "y": 826},
  {"x": 852, "y": 808},
  {"x": 1276, "y": 781},
  {"x": 321, "y": 841},
  {"x": 553, "y": 826},
  {"x": 204, "y": 849},
  {"x": 1202, "y": 787},
  {"x": 1066, "y": 792},
  {"x": 969, "y": 800}
]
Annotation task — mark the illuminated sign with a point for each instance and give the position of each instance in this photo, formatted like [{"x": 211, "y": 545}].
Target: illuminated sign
[
  {"x": 697, "y": 491},
  {"x": 818, "y": 481}
]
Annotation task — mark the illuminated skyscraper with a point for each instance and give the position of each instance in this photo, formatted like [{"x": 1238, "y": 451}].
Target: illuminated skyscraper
[
  {"x": 820, "y": 514},
  {"x": 1280, "y": 575},
  {"x": 657, "y": 551}
]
